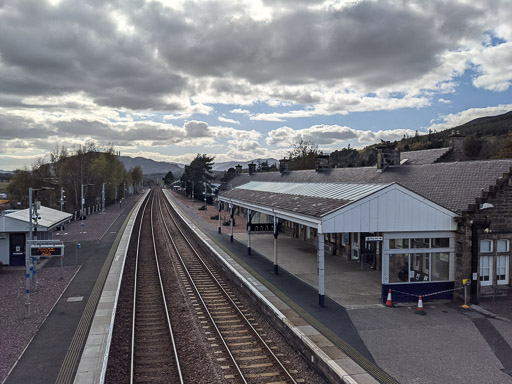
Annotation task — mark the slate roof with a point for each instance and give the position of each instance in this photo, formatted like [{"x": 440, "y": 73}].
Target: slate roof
[
  {"x": 305, "y": 205},
  {"x": 451, "y": 185},
  {"x": 427, "y": 156}
]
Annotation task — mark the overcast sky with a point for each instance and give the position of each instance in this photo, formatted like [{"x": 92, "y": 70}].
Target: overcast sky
[{"x": 244, "y": 79}]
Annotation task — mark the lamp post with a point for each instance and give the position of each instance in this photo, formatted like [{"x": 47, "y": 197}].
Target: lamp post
[
  {"x": 62, "y": 197},
  {"x": 103, "y": 198},
  {"x": 83, "y": 202},
  {"x": 32, "y": 218},
  {"x": 205, "y": 207}
]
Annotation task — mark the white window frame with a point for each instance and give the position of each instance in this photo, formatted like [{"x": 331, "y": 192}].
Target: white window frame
[
  {"x": 506, "y": 258},
  {"x": 484, "y": 283},
  {"x": 507, "y": 242},
  {"x": 486, "y": 241},
  {"x": 409, "y": 235}
]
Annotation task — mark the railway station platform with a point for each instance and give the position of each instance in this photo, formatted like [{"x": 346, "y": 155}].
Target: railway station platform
[
  {"x": 448, "y": 345},
  {"x": 53, "y": 354}
]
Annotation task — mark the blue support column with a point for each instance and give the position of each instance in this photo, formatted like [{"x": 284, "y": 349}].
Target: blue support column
[
  {"x": 320, "y": 253},
  {"x": 220, "y": 211},
  {"x": 249, "y": 222},
  {"x": 276, "y": 233},
  {"x": 231, "y": 218}
]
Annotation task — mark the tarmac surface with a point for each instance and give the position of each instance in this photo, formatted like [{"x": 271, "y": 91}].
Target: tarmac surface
[
  {"x": 448, "y": 345},
  {"x": 43, "y": 358}
]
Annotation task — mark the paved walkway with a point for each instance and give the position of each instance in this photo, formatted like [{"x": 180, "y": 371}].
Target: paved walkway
[
  {"x": 42, "y": 361},
  {"x": 449, "y": 345}
]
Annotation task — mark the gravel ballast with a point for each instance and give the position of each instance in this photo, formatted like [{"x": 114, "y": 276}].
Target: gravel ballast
[{"x": 16, "y": 331}]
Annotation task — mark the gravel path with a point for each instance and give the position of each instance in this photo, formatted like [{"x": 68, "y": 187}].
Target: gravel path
[{"x": 16, "y": 331}]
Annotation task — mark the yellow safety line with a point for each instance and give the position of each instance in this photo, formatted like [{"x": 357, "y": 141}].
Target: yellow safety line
[{"x": 72, "y": 358}]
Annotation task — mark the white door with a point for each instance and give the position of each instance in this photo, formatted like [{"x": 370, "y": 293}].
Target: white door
[
  {"x": 485, "y": 270},
  {"x": 502, "y": 270},
  {"x": 355, "y": 246}
]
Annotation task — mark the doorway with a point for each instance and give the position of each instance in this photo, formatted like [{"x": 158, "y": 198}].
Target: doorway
[{"x": 17, "y": 249}]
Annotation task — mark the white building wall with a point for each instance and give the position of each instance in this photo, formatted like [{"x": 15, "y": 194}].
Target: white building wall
[
  {"x": 394, "y": 209},
  {"x": 4, "y": 248}
]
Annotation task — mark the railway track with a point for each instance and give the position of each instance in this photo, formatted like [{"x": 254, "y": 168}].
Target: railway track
[
  {"x": 251, "y": 355},
  {"x": 219, "y": 336},
  {"x": 154, "y": 356}
]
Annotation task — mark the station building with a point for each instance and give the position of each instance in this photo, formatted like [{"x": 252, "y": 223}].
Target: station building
[
  {"x": 425, "y": 223},
  {"x": 15, "y": 230}
]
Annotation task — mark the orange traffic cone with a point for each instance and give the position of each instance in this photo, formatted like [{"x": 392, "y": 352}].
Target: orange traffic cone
[
  {"x": 388, "y": 301},
  {"x": 420, "y": 311}
]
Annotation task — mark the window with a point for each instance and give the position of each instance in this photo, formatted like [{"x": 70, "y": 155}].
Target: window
[
  {"x": 485, "y": 246},
  {"x": 420, "y": 266},
  {"x": 420, "y": 243},
  {"x": 421, "y": 257},
  {"x": 398, "y": 243},
  {"x": 502, "y": 246},
  {"x": 441, "y": 242},
  {"x": 399, "y": 268},
  {"x": 485, "y": 270},
  {"x": 440, "y": 266}
]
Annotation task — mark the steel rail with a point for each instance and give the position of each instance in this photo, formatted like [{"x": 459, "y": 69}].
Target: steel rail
[
  {"x": 132, "y": 354},
  {"x": 164, "y": 297},
  {"x": 269, "y": 350},
  {"x": 132, "y": 362}
]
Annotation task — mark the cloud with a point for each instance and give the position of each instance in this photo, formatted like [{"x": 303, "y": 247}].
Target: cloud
[
  {"x": 230, "y": 121},
  {"x": 456, "y": 119},
  {"x": 331, "y": 134},
  {"x": 240, "y": 111}
]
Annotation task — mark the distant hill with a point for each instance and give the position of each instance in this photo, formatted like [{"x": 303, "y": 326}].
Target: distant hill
[
  {"x": 484, "y": 137},
  {"x": 221, "y": 167},
  {"x": 151, "y": 167}
]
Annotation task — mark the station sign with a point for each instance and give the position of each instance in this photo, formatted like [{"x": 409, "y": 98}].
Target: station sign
[
  {"x": 47, "y": 248},
  {"x": 46, "y": 251},
  {"x": 261, "y": 227},
  {"x": 373, "y": 238}
]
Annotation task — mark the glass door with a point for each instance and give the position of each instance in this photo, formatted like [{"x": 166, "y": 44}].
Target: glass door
[
  {"x": 485, "y": 270},
  {"x": 502, "y": 270},
  {"x": 355, "y": 246}
]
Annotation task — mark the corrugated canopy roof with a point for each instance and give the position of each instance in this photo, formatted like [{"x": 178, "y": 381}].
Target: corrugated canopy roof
[
  {"x": 49, "y": 217},
  {"x": 338, "y": 191}
]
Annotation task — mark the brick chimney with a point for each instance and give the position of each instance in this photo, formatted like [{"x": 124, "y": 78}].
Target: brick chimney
[
  {"x": 252, "y": 169},
  {"x": 387, "y": 156},
  {"x": 457, "y": 145},
  {"x": 238, "y": 169},
  {"x": 321, "y": 162},
  {"x": 284, "y": 165}
]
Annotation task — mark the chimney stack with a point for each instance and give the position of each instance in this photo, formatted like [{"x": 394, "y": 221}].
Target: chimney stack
[
  {"x": 457, "y": 145},
  {"x": 284, "y": 165},
  {"x": 321, "y": 162},
  {"x": 252, "y": 169},
  {"x": 238, "y": 169},
  {"x": 387, "y": 156}
]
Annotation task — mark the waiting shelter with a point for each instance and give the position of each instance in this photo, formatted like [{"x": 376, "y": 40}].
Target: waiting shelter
[{"x": 15, "y": 231}]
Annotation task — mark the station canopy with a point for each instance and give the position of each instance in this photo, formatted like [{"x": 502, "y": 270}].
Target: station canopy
[
  {"x": 343, "y": 207},
  {"x": 49, "y": 218}
]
